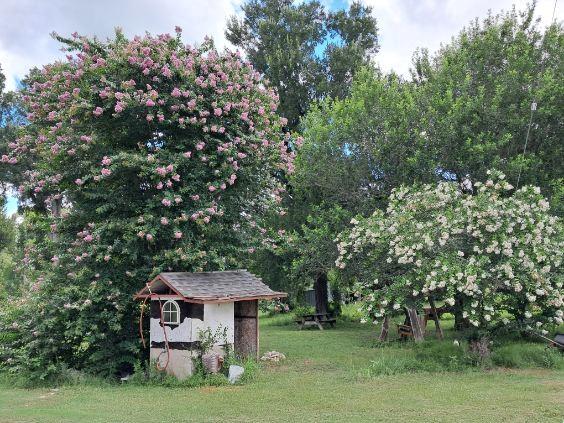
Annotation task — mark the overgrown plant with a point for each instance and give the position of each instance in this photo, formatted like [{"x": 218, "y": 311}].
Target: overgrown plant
[
  {"x": 142, "y": 155},
  {"x": 489, "y": 254}
]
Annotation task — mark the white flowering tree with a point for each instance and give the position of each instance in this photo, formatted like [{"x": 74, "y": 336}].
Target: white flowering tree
[{"x": 493, "y": 254}]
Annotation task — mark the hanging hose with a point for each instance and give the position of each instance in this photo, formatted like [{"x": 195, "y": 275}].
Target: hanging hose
[
  {"x": 159, "y": 367},
  {"x": 167, "y": 348}
]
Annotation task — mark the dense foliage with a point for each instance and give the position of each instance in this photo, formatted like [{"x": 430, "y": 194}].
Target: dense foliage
[
  {"x": 476, "y": 95},
  {"x": 307, "y": 53},
  {"x": 494, "y": 253},
  {"x": 150, "y": 155}
]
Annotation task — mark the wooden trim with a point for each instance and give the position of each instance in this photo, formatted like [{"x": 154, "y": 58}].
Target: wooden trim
[
  {"x": 158, "y": 277},
  {"x": 211, "y": 300}
]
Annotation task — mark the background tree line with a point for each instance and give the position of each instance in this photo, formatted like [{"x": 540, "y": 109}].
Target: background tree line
[{"x": 462, "y": 110}]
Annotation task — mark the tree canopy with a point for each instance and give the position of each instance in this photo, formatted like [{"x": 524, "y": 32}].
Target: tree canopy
[
  {"x": 150, "y": 155},
  {"x": 494, "y": 253},
  {"x": 306, "y": 52}
]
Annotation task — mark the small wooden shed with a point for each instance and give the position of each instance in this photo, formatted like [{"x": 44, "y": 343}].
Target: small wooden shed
[{"x": 184, "y": 303}]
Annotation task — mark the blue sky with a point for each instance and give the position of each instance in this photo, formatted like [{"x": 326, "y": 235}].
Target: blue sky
[{"x": 404, "y": 25}]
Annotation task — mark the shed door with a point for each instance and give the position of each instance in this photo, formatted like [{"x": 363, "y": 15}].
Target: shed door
[{"x": 246, "y": 329}]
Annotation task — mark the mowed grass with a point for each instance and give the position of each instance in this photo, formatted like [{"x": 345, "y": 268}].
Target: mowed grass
[{"x": 325, "y": 377}]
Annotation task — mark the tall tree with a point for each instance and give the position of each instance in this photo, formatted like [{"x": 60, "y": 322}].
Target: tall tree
[
  {"x": 11, "y": 117},
  {"x": 476, "y": 95},
  {"x": 306, "y": 52},
  {"x": 153, "y": 156}
]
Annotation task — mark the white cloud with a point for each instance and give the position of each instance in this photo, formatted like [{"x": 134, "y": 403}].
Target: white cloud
[
  {"x": 404, "y": 25},
  {"x": 25, "y": 25},
  {"x": 408, "y": 24}
]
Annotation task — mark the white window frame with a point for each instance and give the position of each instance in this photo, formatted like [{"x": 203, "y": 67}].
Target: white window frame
[{"x": 175, "y": 310}]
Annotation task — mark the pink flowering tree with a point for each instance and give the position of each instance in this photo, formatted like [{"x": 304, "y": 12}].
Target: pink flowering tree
[
  {"x": 150, "y": 155},
  {"x": 495, "y": 255}
]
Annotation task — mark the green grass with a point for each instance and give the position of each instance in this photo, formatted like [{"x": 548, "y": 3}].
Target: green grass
[{"x": 340, "y": 374}]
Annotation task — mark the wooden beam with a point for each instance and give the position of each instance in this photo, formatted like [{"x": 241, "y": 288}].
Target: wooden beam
[
  {"x": 415, "y": 323},
  {"x": 385, "y": 329}
]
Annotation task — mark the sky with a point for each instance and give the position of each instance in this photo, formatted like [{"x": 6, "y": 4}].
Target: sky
[{"x": 404, "y": 25}]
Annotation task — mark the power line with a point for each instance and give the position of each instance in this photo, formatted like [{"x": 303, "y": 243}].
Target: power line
[{"x": 533, "y": 107}]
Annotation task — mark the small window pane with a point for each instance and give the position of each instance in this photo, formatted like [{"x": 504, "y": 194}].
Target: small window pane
[{"x": 171, "y": 312}]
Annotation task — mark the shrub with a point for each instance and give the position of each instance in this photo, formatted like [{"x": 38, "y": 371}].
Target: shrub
[{"x": 488, "y": 254}]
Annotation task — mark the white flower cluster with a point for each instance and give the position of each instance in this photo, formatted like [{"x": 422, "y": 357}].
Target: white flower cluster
[{"x": 499, "y": 253}]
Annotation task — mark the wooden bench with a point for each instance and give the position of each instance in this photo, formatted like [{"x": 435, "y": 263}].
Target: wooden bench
[{"x": 317, "y": 319}]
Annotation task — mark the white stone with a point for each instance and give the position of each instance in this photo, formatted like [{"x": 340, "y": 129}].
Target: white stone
[{"x": 235, "y": 373}]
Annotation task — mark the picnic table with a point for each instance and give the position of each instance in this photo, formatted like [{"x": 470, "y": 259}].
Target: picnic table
[{"x": 316, "y": 319}]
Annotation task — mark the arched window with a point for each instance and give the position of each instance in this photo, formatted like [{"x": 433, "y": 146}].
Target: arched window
[{"x": 171, "y": 313}]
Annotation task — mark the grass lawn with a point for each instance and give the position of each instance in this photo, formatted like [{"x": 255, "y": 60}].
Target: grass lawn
[{"x": 326, "y": 377}]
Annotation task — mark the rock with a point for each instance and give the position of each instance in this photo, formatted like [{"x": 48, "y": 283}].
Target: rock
[
  {"x": 235, "y": 373},
  {"x": 273, "y": 356},
  {"x": 211, "y": 362}
]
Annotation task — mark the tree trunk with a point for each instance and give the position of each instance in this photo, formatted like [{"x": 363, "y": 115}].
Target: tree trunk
[
  {"x": 459, "y": 321},
  {"x": 320, "y": 287},
  {"x": 337, "y": 298}
]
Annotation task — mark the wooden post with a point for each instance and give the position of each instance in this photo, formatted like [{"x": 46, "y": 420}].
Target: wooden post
[
  {"x": 415, "y": 323},
  {"x": 385, "y": 329},
  {"x": 436, "y": 319}
]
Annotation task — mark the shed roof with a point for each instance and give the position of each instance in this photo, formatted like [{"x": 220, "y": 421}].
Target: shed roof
[{"x": 216, "y": 287}]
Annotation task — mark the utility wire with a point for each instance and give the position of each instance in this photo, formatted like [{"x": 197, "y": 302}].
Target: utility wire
[{"x": 533, "y": 107}]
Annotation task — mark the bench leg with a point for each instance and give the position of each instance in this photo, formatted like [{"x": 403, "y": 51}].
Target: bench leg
[{"x": 319, "y": 325}]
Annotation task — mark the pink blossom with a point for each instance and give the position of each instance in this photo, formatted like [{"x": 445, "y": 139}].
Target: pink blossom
[
  {"x": 169, "y": 168},
  {"x": 164, "y": 221},
  {"x": 241, "y": 155},
  {"x": 106, "y": 161},
  {"x": 160, "y": 185},
  {"x": 98, "y": 111},
  {"x": 178, "y": 235},
  {"x": 176, "y": 92},
  {"x": 106, "y": 258},
  {"x": 88, "y": 238},
  {"x": 166, "y": 71},
  {"x": 200, "y": 145},
  {"x": 106, "y": 172},
  {"x": 78, "y": 181},
  {"x": 150, "y": 103},
  {"x": 211, "y": 188},
  {"x": 195, "y": 197},
  {"x": 140, "y": 234},
  {"x": 149, "y": 118},
  {"x": 85, "y": 138},
  {"x": 217, "y": 111},
  {"x": 207, "y": 219},
  {"x": 187, "y": 154},
  {"x": 161, "y": 171},
  {"x": 177, "y": 200},
  {"x": 176, "y": 177},
  {"x": 149, "y": 237},
  {"x": 166, "y": 202},
  {"x": 119, "y": 107}
]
